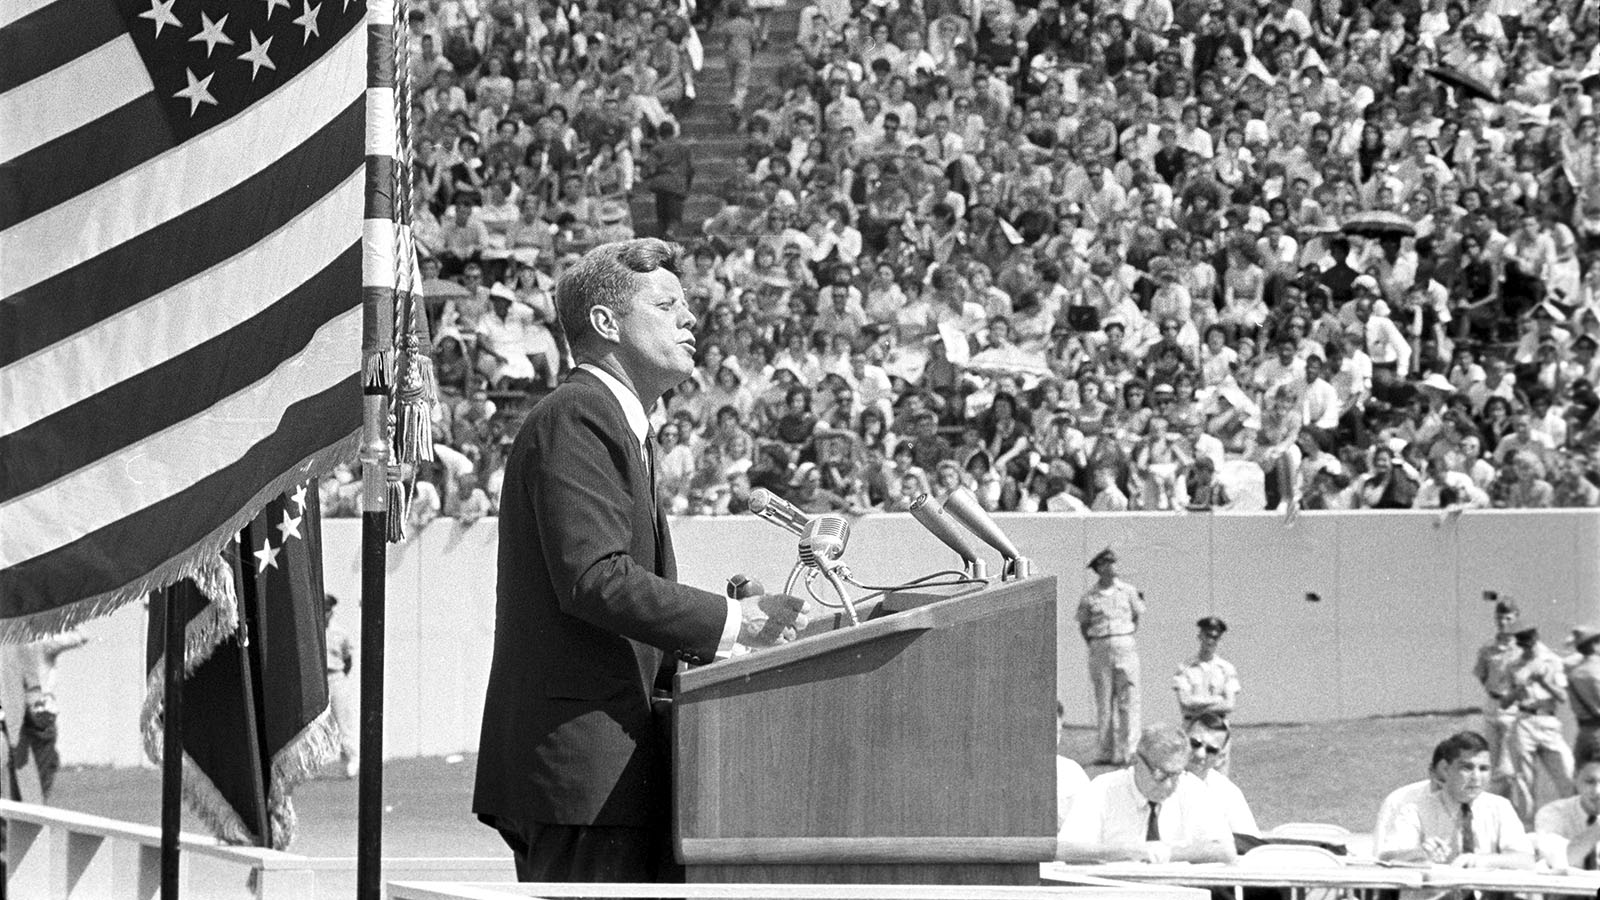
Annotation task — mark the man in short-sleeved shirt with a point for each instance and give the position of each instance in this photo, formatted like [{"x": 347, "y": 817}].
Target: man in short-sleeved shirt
[
  {"x": 1208, "y": 683},
  {"x": 1459, "y": 823},
  {"x": 1493, "y": 668},
  {"x": 1108, "y": 616},
  {"x": 1152, "y": 811},
  {"x": 1209, "y": 736},
  {"x": 1574, "y": 821}
]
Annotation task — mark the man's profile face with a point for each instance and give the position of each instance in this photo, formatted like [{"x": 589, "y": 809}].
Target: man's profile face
[
  {"x": 655, "y": 339},
  {"x": 1466, "y": 777}
]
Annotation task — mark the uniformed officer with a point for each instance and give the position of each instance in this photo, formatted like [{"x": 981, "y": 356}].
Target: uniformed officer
[
  {"x": 1108, "y": 616},
  {"x": 1209, "y": 683},
  {"x": 1496, "y": 660},
  {"x": 1538, "y": 689}
]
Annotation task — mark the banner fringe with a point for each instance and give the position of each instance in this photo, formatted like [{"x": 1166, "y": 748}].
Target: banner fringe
[
  {"x": 200, "y": 794},
  {"x": 316, "y": 745},
  {"x": 189, "y": 564}
]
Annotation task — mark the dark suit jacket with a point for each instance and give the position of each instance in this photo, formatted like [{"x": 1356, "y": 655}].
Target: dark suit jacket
[
  {"x": 588, "y": 615},
  {"x": 671, "y": 168}
]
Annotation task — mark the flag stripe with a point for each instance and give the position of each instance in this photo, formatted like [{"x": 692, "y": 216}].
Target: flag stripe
[
  {"x": 61, "y": 169},
  {"x": 168, "y": 393},
  {"x": 164, "y": 187},
  {"x": 100, "y": 81},
  {"x": 17, "y": 10},
  {"x": 142, "y": 472},
  {"x": 187, "y": 315},
  {"x": 126, "y": 549},
  {"x": 49, "y": 37},
  {"x": 37, "y": 317}
]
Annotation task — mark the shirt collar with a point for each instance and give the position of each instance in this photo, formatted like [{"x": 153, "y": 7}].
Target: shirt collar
[{"x": 632, "y": 408}]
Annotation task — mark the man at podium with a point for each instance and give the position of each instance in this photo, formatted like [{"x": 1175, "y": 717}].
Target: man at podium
[{"x": 573, "y": 759}]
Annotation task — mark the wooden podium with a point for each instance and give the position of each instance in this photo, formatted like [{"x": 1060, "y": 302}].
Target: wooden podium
[{"x": 915, "y": 748}]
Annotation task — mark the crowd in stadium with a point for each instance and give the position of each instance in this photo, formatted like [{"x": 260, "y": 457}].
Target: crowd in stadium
[{"x": 1147, "y": 255}]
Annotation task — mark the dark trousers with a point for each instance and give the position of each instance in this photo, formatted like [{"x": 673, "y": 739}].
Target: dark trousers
[
  {"x": 610, "y": 853},
  {"x": 669, "y": 212}
]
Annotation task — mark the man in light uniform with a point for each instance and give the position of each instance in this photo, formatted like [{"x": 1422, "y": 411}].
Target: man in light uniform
[
  {"x": 1583, "y": 689},
  {"x": 1209, "y": 684},
  {"x": 1108, "y": 616},
  {"x": 1493, "y": 667},
  {"x": 1538, "y": 688}
]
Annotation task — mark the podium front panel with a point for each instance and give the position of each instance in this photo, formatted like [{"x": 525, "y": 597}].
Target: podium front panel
[{"x": 922, "y": 738}]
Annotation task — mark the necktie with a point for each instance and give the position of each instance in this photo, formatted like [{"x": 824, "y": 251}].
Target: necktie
[
  {"x": 1152, "y": 825},
  {"x": 1589, "y": 859},
  {"x": 1469, "y": 841},
  {"x": 650, "y": 458}
]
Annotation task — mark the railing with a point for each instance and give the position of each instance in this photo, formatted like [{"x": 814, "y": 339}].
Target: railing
[
  {"x": 1085, "y": 888},
  {"x": 65, "y": 855}
]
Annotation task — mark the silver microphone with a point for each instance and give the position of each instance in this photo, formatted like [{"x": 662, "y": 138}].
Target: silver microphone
[
  {"x": 965, "y": 508},
  {"x": 824, "y": 540},
  {"x": 778, "y": 511},
  {"x": 930, "y": 514}
]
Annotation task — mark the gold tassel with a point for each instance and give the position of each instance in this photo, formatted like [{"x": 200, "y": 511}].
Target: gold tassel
[
  {"x": 396, "y": 531},
  {"x": 413, "y": 439}
]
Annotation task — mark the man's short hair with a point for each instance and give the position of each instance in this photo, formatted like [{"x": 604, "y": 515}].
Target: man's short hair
[
  {"x": 608, "y": 276},
  {"x": 1161, "y": 742},
  {"x": 1211, "y": 721},
  {"x": 1458, "y": 745}
]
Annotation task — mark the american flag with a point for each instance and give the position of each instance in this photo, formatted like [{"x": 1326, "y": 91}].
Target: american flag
[{"x": 180, "y": 282}]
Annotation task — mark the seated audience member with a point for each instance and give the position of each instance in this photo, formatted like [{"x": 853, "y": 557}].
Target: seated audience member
[
  {"x": 1568, "y": 829},
  {"x": 1152, "y": 811},
  {"x": 1460, "y": 823},
  {"x": 1208, "y": 747}
]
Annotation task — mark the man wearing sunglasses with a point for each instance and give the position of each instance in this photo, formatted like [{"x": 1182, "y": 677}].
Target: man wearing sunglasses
[
  {"x": 1153, "y": 811},
  {"x": 1208, "y": 747}
]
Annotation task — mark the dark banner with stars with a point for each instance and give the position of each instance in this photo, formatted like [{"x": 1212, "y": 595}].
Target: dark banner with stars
[{"x": 278, "y": 574}]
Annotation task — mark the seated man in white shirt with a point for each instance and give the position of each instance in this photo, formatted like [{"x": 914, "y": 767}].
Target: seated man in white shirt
[
  {"x": 1152, "y": 811},
  {"x": 1070, "y": 777},
  {"x": 1208, "y": 741},
  {"x": 1460, "y": 824},
  {"x": 1567, "y": 830}
]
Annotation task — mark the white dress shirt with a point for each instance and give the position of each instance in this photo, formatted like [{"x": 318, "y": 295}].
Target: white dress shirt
[{"x": 639, "y": 423}]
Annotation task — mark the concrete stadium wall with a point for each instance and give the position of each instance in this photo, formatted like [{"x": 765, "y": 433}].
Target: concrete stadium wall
[{"x": 1396, "y": 628}]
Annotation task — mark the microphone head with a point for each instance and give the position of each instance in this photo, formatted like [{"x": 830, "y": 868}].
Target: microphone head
[
  {"x": 825, "y": 538},
  {"x": 760, "y": 499},
  {"x": 778, "y": 511},
  {"x": 966, "y": 509}
]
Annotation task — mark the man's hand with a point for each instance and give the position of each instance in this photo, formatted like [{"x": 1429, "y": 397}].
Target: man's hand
[{"x": 767, "y": 620}]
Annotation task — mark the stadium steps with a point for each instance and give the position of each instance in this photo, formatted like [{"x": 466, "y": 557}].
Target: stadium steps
[{"x": 710, "y": 128}]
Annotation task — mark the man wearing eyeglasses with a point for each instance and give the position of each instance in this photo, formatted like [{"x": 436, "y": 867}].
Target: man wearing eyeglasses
[
  {"x": 1153, "y": 811},
  {"x": 1208, "y": 747}
]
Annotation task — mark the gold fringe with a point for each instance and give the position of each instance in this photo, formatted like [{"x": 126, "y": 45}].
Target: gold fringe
[
  {"x": 396, "y": 529},
  {"x": 189, "y": 564},
  {"x": 377, "y": 369},
  {"x": 200, "y": 794},
  {"x": 316, "y": 745}
]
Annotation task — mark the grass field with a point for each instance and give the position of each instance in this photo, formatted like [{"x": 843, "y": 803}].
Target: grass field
[{"x": 1328, "y": 772}]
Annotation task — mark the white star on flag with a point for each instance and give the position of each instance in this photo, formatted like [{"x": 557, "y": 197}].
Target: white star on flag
[
  {"x": 266, "y": 556},
  {"x": 299, "y": 497},
  {"x": 161, "y": 14},
  {"x": 211, "y": 33},
  {"x": 274, "y": 4},
  {"x": 308, "y": 20},
  {"x": 197, "y": 92},
  {"x": 257, "y": 56},
  {"x": 289, "y": 525}
]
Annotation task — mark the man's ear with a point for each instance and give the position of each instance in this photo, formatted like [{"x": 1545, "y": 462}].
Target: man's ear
[{"x": 603, "y": 319}]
